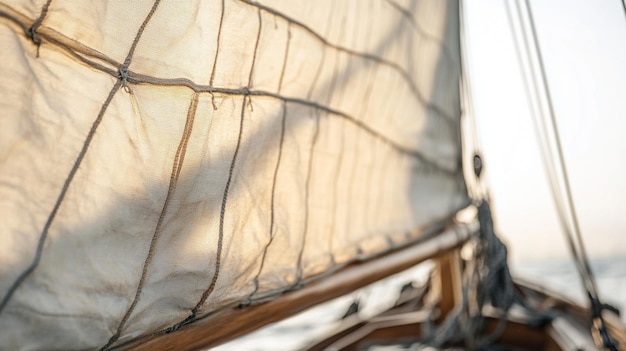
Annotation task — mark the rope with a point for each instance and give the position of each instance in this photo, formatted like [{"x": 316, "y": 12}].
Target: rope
[
  {"x": 565, "y": 208},
  {"x": 543, "y": 140},
  {"x": 487, "y": 281}
]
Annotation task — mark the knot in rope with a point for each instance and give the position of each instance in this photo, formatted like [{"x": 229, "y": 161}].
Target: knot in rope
[
  {"x": 123, "y": 75},
  {"x": 246, "y": 95},
  {"x": 34, "y": 36},
  {"x": 486, "y": 281}
]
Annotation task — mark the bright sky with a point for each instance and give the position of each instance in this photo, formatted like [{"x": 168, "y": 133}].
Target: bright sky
[{"x": 584, "y": 49}]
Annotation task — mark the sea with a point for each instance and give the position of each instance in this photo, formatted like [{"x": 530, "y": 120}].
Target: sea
[{"x": 558, "y": 275}]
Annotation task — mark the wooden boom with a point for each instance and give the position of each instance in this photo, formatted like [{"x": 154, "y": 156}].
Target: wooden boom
[{"x": 230, "y": 323}]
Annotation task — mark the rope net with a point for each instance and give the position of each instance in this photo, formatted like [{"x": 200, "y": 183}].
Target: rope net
[{"x": 163, "y": 160}]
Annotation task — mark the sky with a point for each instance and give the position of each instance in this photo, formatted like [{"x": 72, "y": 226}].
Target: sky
[{"x": 583, "y": 44}]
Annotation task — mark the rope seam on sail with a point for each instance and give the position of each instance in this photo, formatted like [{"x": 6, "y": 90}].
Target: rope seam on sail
[
  {"x": 340, "y": 153},
  {"x": 307, "y": 191},
  {"x": 336, "y": 182},
  {"x": 218, "y": 254},
  {"x": 317, "y": 122},
  {"x": 272, "y": 212},
  {"x": 280, "y": 151},
  {"x": 123, "y": 72},
  {"x": 136, "y": 78},
  {"x": 57, "y": 205},
  {"x": 353, "y": 170},
  {"x": 403, "y": 73},
  {"x": 340, "y": 156},
  {"x": 175, "y": 173}
]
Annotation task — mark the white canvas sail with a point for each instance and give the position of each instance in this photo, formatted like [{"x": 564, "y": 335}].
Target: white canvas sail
[{"x": 162, "y": 160}]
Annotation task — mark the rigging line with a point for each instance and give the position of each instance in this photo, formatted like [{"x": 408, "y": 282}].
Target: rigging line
[
  {"x": 560, "y": 157},
  {"x": 341, "y": 148},
  {"x": 399, "y": 69},
  {"x": 57, "y": 205},
  {"x": 272, "y": 206},
  {"x": 330, "y": 96},
  {"x": 543, "y": 140},
  {"x": 177, "y": 165},
  {"x": 218, "y": 254},
  {"x": 599, "y": 325},
  {"x": 40, "y": 18},
  {"x": 133, "y": 46},
  {"x": 357, "y": 143},
  {"x": 307, "y": 192},
  {"x": 280, "y": 151}
]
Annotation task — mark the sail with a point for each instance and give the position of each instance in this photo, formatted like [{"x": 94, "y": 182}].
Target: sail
[{"x": 162, "y": 160}]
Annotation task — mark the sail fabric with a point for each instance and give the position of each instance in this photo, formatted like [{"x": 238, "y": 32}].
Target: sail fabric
[{"x": 162, "y": 160}]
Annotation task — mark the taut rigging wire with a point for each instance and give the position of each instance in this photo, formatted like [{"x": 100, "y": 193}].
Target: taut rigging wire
[
  {"x": 574, "y": 240},
  {"x": 540, "y": 127}
]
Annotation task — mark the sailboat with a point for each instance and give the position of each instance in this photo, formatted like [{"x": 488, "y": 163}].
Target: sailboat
[{"x": 176, "y": 174}]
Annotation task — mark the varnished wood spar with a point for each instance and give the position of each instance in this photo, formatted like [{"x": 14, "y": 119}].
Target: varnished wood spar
[
  {"x": 447, "y": 283},
  {"x": 408, "y": 328},
  {"x": 229, "y": 324}
]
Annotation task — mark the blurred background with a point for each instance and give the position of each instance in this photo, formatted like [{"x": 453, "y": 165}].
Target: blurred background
[{"x": 583, "y": 45}]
